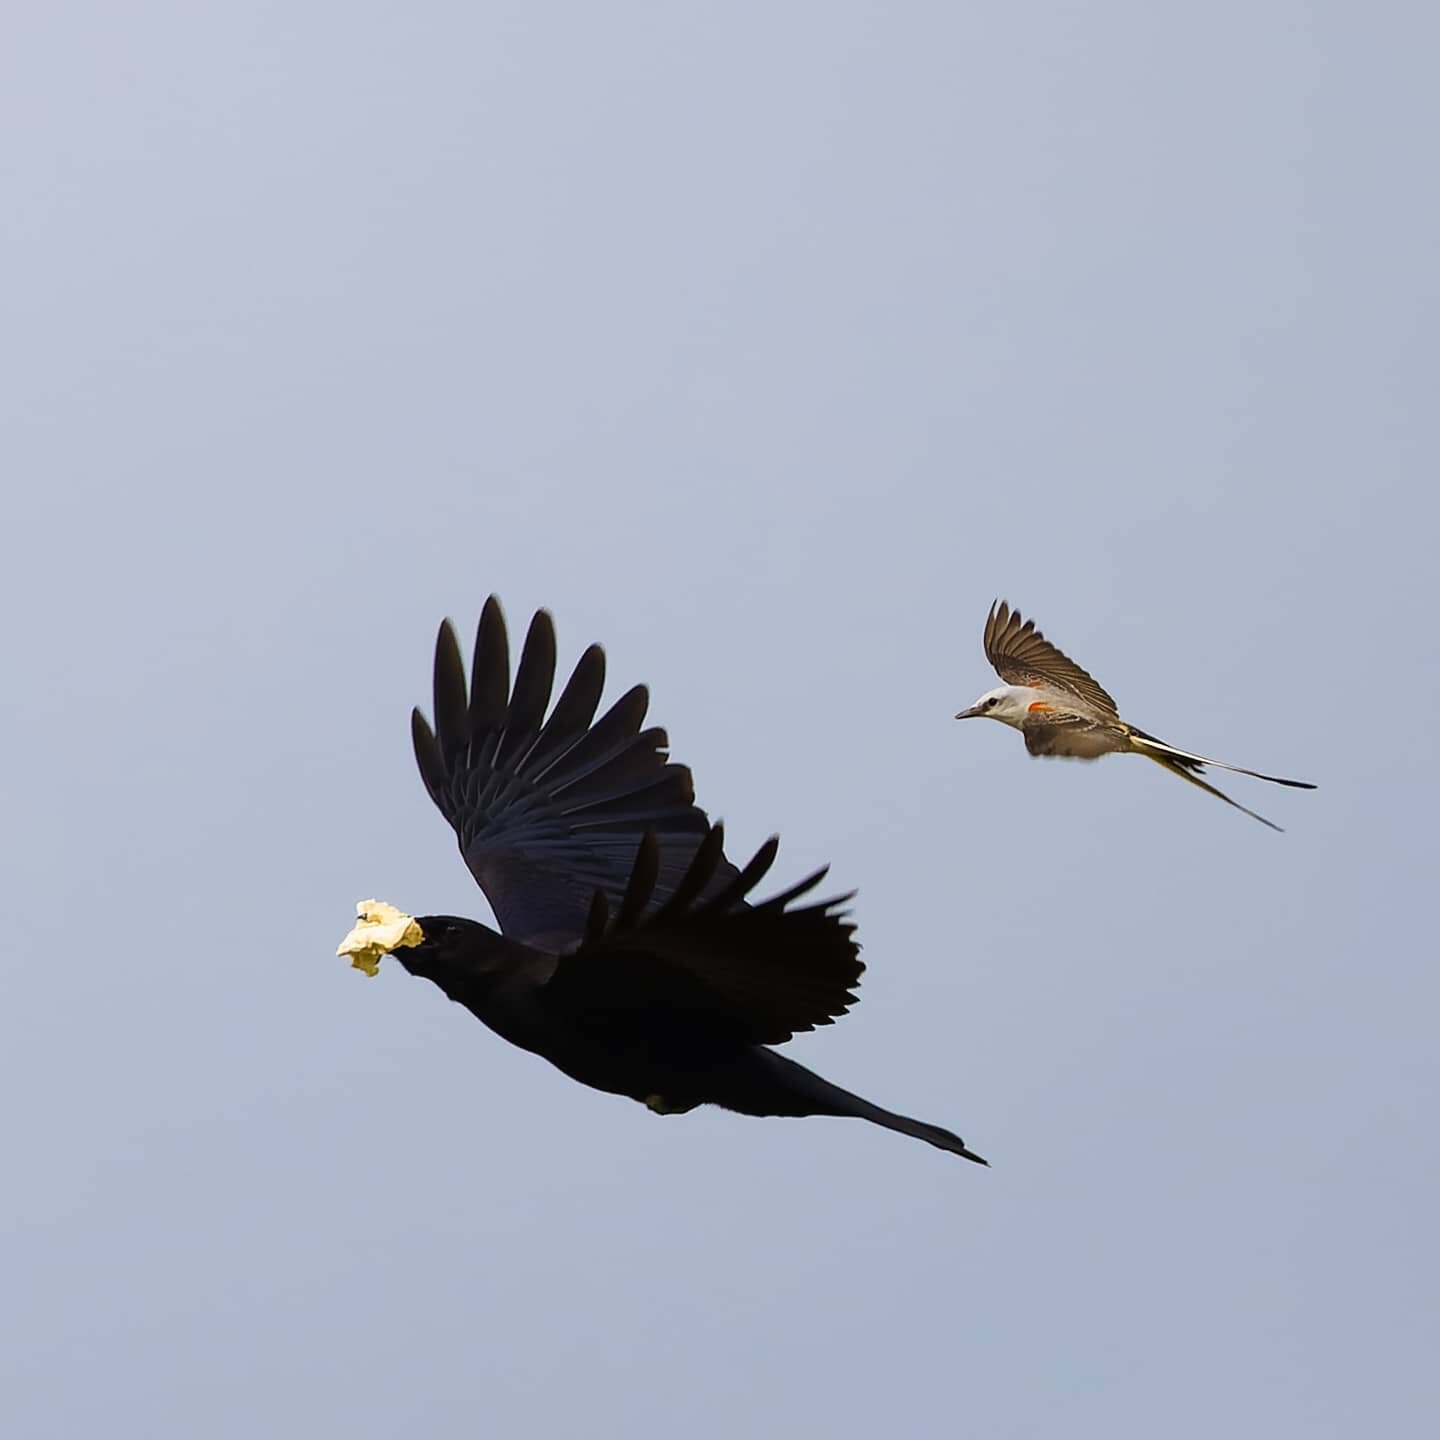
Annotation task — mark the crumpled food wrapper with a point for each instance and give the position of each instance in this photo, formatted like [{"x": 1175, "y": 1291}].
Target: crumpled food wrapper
[{"x": 380, "y": 929}]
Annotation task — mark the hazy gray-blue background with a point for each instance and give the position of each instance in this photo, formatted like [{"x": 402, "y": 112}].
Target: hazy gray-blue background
[{"x": 765, "y": 344}]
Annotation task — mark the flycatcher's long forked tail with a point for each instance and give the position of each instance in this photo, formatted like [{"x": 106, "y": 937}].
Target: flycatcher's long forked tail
[{"x": 1189, "y": 767}]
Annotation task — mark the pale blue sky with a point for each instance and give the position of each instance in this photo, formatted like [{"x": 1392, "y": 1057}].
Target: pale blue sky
[{"x": 765, "y": 344}]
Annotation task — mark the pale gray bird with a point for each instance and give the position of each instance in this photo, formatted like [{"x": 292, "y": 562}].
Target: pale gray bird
[{"x": 1060, "y": 710}]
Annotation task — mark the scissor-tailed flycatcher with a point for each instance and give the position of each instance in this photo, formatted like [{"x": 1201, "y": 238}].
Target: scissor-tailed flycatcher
[{"x": 1060, "y": 710}]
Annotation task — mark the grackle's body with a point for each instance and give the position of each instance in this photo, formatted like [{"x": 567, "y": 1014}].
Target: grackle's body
[{"x": 629, "y": 954}]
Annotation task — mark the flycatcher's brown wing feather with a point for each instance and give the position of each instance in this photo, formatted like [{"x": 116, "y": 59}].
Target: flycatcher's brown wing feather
[{"x": 1021, "y": 655}]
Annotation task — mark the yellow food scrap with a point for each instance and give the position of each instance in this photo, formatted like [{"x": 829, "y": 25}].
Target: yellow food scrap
[{"x": 380, "y": 929}]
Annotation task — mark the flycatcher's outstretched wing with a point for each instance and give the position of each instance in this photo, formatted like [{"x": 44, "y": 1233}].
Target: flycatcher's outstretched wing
[{"x": 1021, "y": 655}]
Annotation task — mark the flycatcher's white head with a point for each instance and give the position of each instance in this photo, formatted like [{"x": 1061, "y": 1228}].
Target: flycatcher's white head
[{"x": 1009, "y": 704}]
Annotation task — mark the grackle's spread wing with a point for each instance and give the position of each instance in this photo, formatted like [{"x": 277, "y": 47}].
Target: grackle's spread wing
[
  {"x": 704, "y": 961},
  {"x": 550, "y": 811}
]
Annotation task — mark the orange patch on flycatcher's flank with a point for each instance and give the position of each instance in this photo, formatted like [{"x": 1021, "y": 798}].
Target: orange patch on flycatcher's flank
[{"x": 1038, "y": 705}]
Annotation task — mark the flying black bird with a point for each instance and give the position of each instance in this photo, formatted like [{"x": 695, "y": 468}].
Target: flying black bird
[
  {"x": 1060, "y": 710},
  {"x": 628, "y": 955}
]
